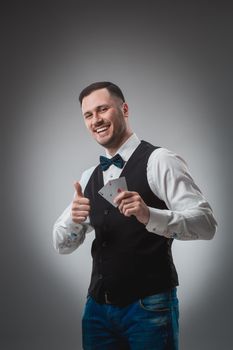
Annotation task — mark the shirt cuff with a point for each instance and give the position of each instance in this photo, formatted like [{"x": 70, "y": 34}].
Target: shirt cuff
[
  {"x": 68, "y": 235},
  {"x": 158, "y": 222},
  {"x": 75, "y": 229}
]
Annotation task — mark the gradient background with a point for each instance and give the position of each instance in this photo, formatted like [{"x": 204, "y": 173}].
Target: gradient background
[{"x": 174, "y": 64}]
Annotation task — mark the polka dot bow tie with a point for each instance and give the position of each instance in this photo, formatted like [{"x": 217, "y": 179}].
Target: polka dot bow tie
[{"x": 116, "y": 160}]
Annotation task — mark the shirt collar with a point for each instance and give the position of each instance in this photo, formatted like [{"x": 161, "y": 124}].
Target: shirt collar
[{"x": 127, "y": 149}]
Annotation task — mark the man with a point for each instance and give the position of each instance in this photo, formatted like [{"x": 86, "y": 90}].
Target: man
[{"x": 132, "y": 301}]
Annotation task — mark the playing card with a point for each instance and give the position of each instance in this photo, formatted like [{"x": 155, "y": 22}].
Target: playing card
[{"x": 112, "y": 189}]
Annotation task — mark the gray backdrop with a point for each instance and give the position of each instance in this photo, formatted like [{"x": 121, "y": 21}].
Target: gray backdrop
[{"x": 174, "y": 64}]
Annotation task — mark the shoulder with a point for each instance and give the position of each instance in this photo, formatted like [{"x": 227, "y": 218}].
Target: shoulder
[
  {"x": 163, "y": 158},
  {"x": 164, "y": 169}
]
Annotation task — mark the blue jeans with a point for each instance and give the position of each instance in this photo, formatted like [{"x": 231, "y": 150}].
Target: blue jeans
[{"x": 151, "y": 323}]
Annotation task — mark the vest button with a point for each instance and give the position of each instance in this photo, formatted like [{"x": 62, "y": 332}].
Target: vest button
[
  {"x": 104, "y": 244},
  {"x": 106, "y": 211},
  {"x": 100, "y": 276}
]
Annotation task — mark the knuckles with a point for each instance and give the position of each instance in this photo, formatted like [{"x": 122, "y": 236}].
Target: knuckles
[
  {"x": 81, "y": 200},
  {"x": 78, "y": 221}
]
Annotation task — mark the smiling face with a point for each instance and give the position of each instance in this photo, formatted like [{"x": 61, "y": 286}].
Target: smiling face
[{"x": 106, "y": 117}]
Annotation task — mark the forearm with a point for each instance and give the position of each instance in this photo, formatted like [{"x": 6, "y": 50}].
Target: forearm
[{"x": 189, "y": 224}]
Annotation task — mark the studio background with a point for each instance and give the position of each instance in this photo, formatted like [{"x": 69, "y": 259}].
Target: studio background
[{"x": 173, "y": 62}]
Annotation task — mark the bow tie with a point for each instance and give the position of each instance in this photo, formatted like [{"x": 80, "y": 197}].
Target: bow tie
[{"x": 116, "y": 160}]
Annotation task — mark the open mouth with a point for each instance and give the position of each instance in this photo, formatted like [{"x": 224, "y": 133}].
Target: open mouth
[{"x": 102, "y": 129}]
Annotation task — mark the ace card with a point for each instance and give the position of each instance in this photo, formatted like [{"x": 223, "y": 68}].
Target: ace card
[{"x": 112, "y": 189}]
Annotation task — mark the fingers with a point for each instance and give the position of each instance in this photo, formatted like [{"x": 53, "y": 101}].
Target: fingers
[
  {"x": 80, "y": 208},
  {"x": 79, "y": 219},
  {"x": 129, "y": 209},
  {"x": 79, "y": 213},
  {"x": 81, "y": 200},
  {"x": 123, "y": 196},
  {"x": 78, "y": 189},
  {"x": 131, "y": 203},
  {"x": 126, "y": 198},
  {"x": 79, "y": 216}
]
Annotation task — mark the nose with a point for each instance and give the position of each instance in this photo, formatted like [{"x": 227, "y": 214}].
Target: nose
[{"x": 97, "y": 119}]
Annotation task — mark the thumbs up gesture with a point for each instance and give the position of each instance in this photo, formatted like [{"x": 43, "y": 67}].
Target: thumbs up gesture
[{"x": 80, "y": 206}]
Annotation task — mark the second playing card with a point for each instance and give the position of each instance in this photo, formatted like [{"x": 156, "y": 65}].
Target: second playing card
[{"x": 112, "y": 189}]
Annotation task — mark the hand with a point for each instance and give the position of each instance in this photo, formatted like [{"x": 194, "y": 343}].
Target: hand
[
  {"x": 80, "y": 206},
  {"x": 131, "y": 203}
]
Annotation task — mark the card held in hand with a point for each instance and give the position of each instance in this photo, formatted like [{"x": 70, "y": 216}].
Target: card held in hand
[{"x": 112, "y": 189}]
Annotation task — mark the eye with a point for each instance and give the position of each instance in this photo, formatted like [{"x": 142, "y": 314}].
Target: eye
[
  {"x": 87, "y": 116},
  {"x": 103, "y": 109}
]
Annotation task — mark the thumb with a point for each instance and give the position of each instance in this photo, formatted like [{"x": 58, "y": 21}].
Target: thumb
[{"x": 78, "y": 189}]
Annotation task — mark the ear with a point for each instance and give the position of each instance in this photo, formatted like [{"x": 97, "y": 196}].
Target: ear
[{"x": 125, "y": 109}]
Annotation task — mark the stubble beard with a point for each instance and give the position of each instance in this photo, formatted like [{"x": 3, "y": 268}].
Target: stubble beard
[{"x": 115, "y": 140}]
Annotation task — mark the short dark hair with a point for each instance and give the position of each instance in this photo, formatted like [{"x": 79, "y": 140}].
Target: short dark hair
[{"x": 112, "y": 88}]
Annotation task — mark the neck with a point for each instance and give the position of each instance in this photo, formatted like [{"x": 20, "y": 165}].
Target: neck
[{"x": 113, "y": 150}]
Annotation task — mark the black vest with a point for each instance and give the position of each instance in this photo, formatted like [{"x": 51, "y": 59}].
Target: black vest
[{"x": 128, "y": 261}]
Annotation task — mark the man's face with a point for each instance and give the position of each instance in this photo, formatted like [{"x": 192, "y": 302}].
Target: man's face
[{"x": 105, "y": 117}]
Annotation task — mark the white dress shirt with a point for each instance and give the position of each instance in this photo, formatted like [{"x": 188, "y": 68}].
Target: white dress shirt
[{"x": 188, "y": 217}]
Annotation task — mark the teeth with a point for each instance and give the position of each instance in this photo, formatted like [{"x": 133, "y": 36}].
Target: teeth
[{"x": 101, "y": 129}]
